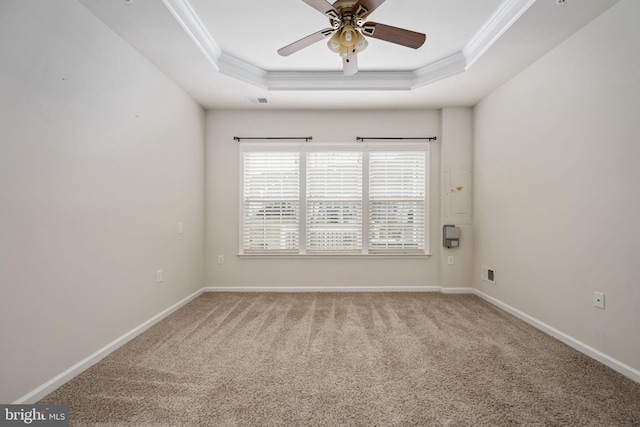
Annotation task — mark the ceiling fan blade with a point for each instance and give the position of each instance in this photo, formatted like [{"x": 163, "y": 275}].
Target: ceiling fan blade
[
  {"x": 364, "y": 7},
  {"x": 350, "y": 64},
  {"x": 323, "y": 6},
  {"x": 393, "y": 34},
  {"x": 306, "y": 41}
]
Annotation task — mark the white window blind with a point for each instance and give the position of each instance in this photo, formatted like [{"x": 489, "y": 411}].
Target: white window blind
[
  {"x": 271, "y": 201},
  {"x": 334, "y": 202},
  {"x": 397, "y": 202},
  {"x": 334, "y": 199}
]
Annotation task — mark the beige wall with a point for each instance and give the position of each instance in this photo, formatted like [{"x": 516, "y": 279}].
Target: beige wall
[
  {"x": 457, "y": 153},
  {"x": 324, "y": 126},
  {"x": 556, "y": 186},
  {"x": 100, "y": 157}
]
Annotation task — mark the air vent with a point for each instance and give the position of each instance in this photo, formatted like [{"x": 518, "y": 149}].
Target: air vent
[
  {"x": 257, "y": 100},
  {"x": 488, "y": 274}
]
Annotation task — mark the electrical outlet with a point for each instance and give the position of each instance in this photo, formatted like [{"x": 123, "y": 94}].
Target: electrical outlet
[
  {"x": 180, "y": 228},
  {"x": 598, "y": 299},
  {"x": 159, "y": 276},
  {"x": 220, "y": 259},
  {"x": 450, "y": 260}
]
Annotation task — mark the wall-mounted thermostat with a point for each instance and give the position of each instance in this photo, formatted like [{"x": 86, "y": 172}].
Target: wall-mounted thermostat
[{"x": 450, "y": 236}]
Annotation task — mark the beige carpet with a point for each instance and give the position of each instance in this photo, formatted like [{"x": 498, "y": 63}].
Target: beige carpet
[{"x": 347, "y": 359}]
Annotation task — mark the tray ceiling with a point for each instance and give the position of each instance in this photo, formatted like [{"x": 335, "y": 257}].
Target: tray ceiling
[{"x": 224, "y": 53}]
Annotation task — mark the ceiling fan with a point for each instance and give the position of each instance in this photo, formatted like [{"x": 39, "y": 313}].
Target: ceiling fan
[{"x": 348, "y": 29}]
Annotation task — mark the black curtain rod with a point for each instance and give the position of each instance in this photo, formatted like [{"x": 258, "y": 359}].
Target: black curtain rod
[
  {"x": 306, "y": 138},
  {"x": 310, "y": 138},
  {"x": 426, "y": 138}
]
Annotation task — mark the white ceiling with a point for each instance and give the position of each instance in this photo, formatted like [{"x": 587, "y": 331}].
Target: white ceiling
[
  {"x": 272, "y": 25},
  {"x": 223, "y": 53}
]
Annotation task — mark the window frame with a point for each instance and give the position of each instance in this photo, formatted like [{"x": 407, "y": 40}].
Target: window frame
[{"x": 302, "y": 149}]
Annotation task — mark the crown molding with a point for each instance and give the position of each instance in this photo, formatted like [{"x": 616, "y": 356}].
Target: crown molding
[
  {"x": 242, "y": 70},
  {"x": 195, "y": 29},
  {"x": 336, "y": 80},
  {"x": 441, "y": 69},
  {"x": 507, "y": 13}
]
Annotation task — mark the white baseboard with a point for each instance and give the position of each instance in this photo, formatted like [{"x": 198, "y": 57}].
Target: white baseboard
[
  {"x": 337, "y": 289},
  {"x": 456, "y": 290},
  {"x": 46, "y": 388},
  {"x": 601, "y": 357}
]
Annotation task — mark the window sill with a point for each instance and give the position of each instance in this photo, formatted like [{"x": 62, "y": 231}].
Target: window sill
[{"x": 334, "y": 256}]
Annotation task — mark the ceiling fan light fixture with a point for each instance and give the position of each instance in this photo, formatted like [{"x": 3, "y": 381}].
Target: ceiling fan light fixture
[
  {"x": 334, "y": 43},
  {"x": 348, "y": 36},
  {"x": 347, "y": 42},
  {"x": 361, "y": 43}
]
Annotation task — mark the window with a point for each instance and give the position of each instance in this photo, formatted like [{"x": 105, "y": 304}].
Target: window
[
  {"x": 271, "y": 205},
  {"x": 396, "y": 201},
  {"x": 334, "y": 202},
  {"x": 334, "y": 199}
]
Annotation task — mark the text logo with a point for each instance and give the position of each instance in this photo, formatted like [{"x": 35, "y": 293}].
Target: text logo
[{"x": 34, "y": 415}]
